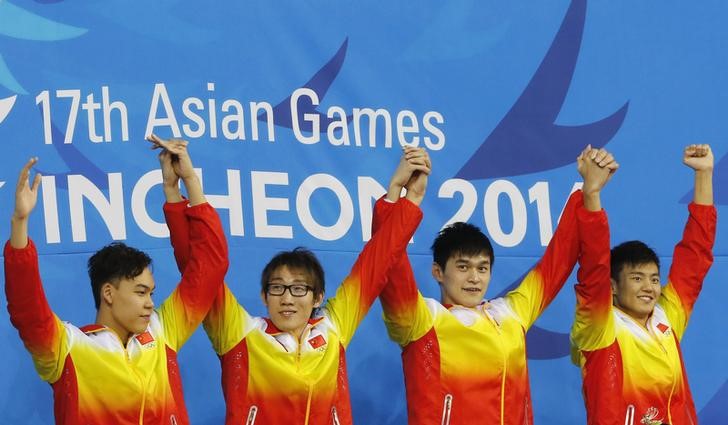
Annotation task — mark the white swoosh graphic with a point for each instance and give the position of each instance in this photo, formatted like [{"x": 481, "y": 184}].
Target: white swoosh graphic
[{"x": 6, "y": 105}]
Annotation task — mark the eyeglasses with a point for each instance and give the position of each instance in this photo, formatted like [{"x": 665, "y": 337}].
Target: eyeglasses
[{"x": 297, "y": 290}]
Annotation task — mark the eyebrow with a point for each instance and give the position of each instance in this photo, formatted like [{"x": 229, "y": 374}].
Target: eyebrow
[
  {"x": 468, "y": 261},
  {"x": 144, "y": 286},
  {"x": 644, "y": 274}
]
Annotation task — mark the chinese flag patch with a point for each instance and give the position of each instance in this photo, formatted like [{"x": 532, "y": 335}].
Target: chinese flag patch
[
  {"x": 662, "y": 327},
  {"x": 317, "y": 341},
  {"x": 145, "y": 338}
]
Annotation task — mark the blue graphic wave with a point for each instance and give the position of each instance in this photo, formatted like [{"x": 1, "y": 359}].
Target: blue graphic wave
[
  {"x": 7, "y": 79},
  {"x": 714, "y": 411},
  {"x": 19, "y": 23},
  {"x": 319, "y": 83},
  {"x": 529, "y": 129},
  {"x": 76, "y": 161}
]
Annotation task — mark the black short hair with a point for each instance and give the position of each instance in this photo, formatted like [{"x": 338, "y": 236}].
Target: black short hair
[
  {"x": 632, "y": 253},
  {"x": 112, "y": 263},
  {"x": 299, "y": 259},
  {"x": 460, "y": 238}
]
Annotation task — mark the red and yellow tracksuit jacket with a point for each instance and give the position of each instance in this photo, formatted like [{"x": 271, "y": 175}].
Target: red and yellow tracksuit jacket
[
  {"x": 468, "y": 365},
  {"x": 630, "y": 370},
  {"x": 271, "y": 377},
  {"x": 97, "y": 380}
]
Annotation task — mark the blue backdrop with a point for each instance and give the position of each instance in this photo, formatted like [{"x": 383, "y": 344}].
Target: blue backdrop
[{"x": 295, "y": 112}]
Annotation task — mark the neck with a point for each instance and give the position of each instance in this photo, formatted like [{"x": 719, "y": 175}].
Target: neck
[
  {"x": 298, "y": 333},
  {"x": 642, "y": 320},
  {"x": 104, "y": 318},
  {"x": 445, "y": 300}
]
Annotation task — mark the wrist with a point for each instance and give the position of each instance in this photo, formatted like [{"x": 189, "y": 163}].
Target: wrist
[
  {"x": 590, "y": 191},
  {"x": 394, "y": 192},
  {"x": 171, "y": 190},
  {"x": 190, "y": 179},
  {"x": 18, "y": 219},
  {"x": 592, "y": 201},
  {"x": 396, "y": 184}
]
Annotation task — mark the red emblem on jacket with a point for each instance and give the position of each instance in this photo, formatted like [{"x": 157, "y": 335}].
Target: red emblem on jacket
[
  {"x": 145, "y": 338},
  {"x": 317, "y": 341}
]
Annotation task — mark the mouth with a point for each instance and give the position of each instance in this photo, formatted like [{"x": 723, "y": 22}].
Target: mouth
[
  {"x": 646, "y": 298},
  {"x": 287, "y": 313},
  {"x": 146, "y": 317},
  {"x": 473, "y": 290}
]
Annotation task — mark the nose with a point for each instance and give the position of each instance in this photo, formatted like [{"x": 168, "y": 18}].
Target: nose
[
  {"x": 286, "y": 298},
  {"x": 474, "y": 276},
  {"x": 149, "y": 303}
]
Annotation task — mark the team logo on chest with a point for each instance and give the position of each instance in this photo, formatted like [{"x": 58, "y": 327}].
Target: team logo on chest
[
  {"x": 146, "y": 339},
  {"x": 651, "y": 416},
  {"x": 317, "y": 341},
  {"x": 665, "y": 329}
]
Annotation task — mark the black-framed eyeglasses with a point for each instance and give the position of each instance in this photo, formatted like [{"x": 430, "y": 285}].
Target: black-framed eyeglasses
[{"x": 297, "y": 290}]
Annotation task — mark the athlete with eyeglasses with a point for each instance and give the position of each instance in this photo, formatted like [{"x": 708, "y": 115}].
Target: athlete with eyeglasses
[{"x": 290, "y": 368}]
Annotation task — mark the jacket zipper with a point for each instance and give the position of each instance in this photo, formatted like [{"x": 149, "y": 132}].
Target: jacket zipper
[
  {"x": 667, "y": 355},
  {"x": 127, "y": 357},
  {"x": 629, "y": 415},
  {"x": 446, "y": 409},
  {"x": 251, "y": 415},
  {"x": 335, "y": 416}
]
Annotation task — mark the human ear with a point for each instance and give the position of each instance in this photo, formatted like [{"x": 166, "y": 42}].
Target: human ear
[
  {"x": 437, "y": 272},
  {"x": 107, "y": 293},
  {"x": 614, "y": 286},
  {"x": 318, "y": 299}
]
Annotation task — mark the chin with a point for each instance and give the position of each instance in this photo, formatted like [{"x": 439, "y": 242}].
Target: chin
[
  {"x": 139, "y": 329},
  {"x": 469, "y": 303},
  {"x": 285, "y": 325}
]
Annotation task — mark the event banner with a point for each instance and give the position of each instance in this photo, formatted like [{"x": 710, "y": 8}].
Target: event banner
[{"x": 296, "y": 113}]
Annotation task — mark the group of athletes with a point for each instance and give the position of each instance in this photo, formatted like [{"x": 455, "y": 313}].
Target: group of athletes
[{"x": 463, "y": 356}]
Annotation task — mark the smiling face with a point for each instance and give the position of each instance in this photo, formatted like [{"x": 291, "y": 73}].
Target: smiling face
[
  {"x": 128, "y": 304},
  {"x": 287, "y": 312},
  {"x": 637, "y": 290},
  {"x": 464, "y": 279}
]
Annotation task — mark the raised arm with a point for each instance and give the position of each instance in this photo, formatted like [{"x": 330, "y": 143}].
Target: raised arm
[
  {"x": 543, "y": 283},
  {"x": 693, "y": 255},
  {"x": 41, "y": 331},
  {"x": 369, "y": 274},
  {"x": 204, "y": 268},
  {"x": 175, "y": 163},
  {"x": 700, "y": 159},
  {"x": 181, "y": 163},
  {"x": 405, "y": 313},
  {"x": 226, "y": 320},
  {"x": 26, "y": 196},
  {"x": 174, "y": 209},
  {"x": 593, "y": 325}
]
